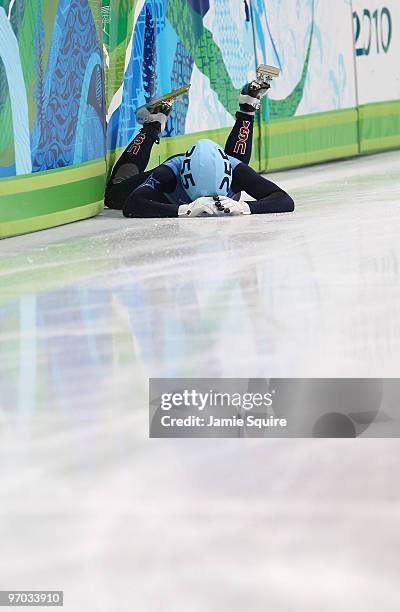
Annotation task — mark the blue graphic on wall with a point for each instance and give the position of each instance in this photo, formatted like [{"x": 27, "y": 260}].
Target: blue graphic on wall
[
  {"x": 172, "y": 38},
  {"x": 69, "y": 125},
  {"x": 57, "y": 106},
  {"x": 141, "y": 80},
  {"x": 52, "y": 110}
]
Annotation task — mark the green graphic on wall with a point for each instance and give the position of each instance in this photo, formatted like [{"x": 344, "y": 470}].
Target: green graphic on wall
[{"x": 175, "y": 37}]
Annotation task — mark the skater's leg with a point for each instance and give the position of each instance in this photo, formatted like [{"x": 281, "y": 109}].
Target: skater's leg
[
  {"x": 129, "y": 171},
  {"x": 240, "y": 139},
  {"x": 137, "y": 154},
  {"x": 117, "y": 194}
]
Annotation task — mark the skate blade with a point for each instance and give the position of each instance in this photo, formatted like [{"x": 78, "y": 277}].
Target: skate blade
[
  {"x": 169, "y": 97},
  {"x": 143, "y": 111},
  {"x": 267, "y": 72}
]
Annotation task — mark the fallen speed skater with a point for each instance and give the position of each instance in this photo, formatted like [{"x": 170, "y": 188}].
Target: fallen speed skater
[{"x": 206, "y": 180}]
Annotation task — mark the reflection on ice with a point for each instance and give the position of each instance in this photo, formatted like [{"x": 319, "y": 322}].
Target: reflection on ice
[
  {"x": 91, "y": 308},
  {"x": 89, "y": 311}
]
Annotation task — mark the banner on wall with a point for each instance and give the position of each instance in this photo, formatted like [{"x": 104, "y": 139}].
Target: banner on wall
[
  {"x": 154, "y": 46},
  {"x": 377, "y": 47},
  {"x": 311, "y": 42},
  {"x": 52, "y": 111}
]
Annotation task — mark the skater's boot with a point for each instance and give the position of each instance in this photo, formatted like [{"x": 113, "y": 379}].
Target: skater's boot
[
  {"x": 158, "y": 110},
  {"x": 251, "y": 94}
]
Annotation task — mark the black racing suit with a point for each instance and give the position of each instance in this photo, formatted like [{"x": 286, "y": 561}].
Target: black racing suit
[{"x": 125, "y": 190}]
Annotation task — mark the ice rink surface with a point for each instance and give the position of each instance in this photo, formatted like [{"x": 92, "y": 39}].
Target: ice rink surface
[{"x": 89, "y": 311}]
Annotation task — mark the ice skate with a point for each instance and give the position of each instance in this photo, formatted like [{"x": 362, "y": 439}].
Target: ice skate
[
  {"x": 159, "y": 109},
  {"x": 251, "y": 94}
]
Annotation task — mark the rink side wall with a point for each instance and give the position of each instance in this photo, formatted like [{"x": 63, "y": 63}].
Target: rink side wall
[
  {"x": 73, "y": 72},
  {"x": 337, "y": 96},
  {"x": 52, "y": 113}
]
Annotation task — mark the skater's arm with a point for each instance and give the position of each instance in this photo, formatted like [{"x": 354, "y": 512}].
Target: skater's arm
[
  {"x": 149, "y": 199},
  {"x": 144, "y": 207},
  {"x": 269, "y": 198}
]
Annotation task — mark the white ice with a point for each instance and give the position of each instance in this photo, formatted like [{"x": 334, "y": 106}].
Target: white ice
[{"x": 90, "y": 310}]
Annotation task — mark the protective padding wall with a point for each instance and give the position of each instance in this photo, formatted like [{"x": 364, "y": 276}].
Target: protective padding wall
[
  {"x": 338, "y": 94},
  {"x": 52, "y": 113}
]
